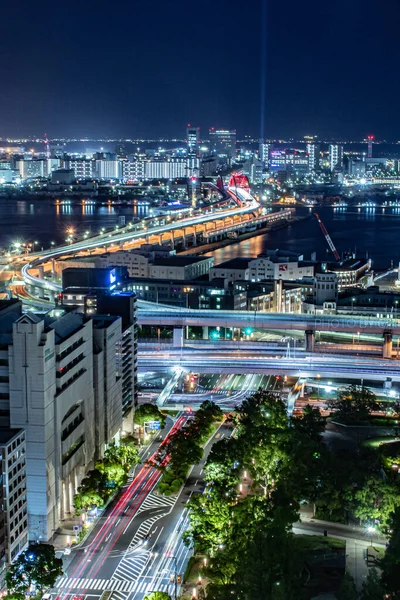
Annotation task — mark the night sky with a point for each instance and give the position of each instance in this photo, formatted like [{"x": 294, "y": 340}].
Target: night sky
[{"x": 147, "y": 68}]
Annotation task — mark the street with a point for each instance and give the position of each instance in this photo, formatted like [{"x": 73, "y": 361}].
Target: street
[{"x": 117, "y": 557}]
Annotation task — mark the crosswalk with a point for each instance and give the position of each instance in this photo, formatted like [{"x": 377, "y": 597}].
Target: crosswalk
[
  {"x": 155, "y": 501},
  {"x": 111, "y": 585},
  {"x": 145, "y": 587},
  {"x": 81, "y": 583}
]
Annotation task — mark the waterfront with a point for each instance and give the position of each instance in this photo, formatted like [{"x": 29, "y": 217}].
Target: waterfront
[{"x": 368, "y": 230}]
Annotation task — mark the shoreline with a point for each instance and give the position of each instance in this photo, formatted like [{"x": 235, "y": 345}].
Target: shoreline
[{"x": 205, "y": 248}]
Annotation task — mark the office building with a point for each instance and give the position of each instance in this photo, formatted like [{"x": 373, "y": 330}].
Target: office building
[
  {"x": 109, "y": 169},
  {"x": 263, "y": 153},
  {"x": 83, "y": 168},
  {"x": 170, "y": 168},
  {"x": 50, "y": 370},
  {"x": 223, "y": 141},
  {"x": 192, "y": 138},
  {"x": 13, "y": 494},
  {"x": 335, "y": 157},
  {"x": 133, "y": 169},
  {"x": 273, "y": 265},
  {"x": 314, "y": 154}
]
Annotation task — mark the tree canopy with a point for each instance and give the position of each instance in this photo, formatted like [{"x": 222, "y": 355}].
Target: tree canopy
[
  {"x": 148, "y": 412},
  {"x": 37, "y": 565}
]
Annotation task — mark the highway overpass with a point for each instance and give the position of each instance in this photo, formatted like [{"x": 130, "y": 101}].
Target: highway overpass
[
  {"x": 161, "y": 315},
  {"x": 245, "y": 362},
  {"x": 247, "y": 205}
]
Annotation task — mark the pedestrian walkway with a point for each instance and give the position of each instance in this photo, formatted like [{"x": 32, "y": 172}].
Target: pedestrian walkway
[{"x": 94, "y": 584}]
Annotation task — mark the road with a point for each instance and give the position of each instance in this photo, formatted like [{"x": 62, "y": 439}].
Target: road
[
  {"x": 117, "y": 558},
  {"x": 253, "y": 362},
  {"x": 140, "y": 231}
]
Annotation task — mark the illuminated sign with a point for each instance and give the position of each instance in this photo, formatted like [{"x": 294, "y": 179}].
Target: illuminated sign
[{"x": 113, "y": 279}]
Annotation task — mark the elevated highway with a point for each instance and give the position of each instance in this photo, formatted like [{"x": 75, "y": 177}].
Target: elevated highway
[
  {"x": 246, "y": 207},
  {"x": 245, "y": 362}
]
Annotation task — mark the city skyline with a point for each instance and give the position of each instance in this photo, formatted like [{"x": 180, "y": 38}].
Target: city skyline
[{"x": 99, "y": 74}]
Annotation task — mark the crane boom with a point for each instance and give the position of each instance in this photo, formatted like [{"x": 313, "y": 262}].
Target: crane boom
[{"x": 328, "y": 238}]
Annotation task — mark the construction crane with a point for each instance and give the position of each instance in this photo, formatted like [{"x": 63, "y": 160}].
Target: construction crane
[{"x": 328, "y": 238}]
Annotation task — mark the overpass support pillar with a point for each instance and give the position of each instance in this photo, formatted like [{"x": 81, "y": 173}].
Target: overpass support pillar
[
  {"x": 184, "y": 244},
  {"x": 160, "y": 239},
  {"x": 194, "y": 236},
  {"x": 177, "y": 340},
  {"x": 310, "y": 340},
  {"x": 172, "y": 239},
  {"x": 205, "y": 332},
  {"x": 387, "y": 344},
  {"x": 41, "y": 271}
]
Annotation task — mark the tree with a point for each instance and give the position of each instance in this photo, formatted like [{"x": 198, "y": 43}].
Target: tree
[
  {"x": 37, "y": 566},
  {"x": 84, "y": 501},
  {"x": 347, "y": 590},
  {"x": 158, "y": 596},
  {"x": 390, "y": 564},
  {"x": 354, "y": 403},
  {"x": 126, "y": 455},
  {"x": 376, "y": 501},
  {"x": 210, "y": 409},
  {"x": 148, "y": 412},
  {"x": 114, "y": 473},
  {"x": 372, "y": 588}
]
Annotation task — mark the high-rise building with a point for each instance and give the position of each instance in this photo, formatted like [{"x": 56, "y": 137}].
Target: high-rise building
[
  {"x": 314, "y": 153},
  {"x": 192, "y": 138},
  {"x": 83, "y": 168},
  {"x": 370, "y": 142},
  {"x": 223, "y": 141},
  {"x": 335, "y": 157},
  {"x": 13, "y": 486},
  {"x": 263, "y": 152},
  {"x": 50, "y": 370}
]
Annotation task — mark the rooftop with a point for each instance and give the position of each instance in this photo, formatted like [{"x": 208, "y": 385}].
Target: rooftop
[
  {"x": 179, "y": 261},
  {"x": 235, "y": 263},
  {"x": 7, "y": 434}
]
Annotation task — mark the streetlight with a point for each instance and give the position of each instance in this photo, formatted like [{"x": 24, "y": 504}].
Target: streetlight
[{"x": 371, "y": 530}]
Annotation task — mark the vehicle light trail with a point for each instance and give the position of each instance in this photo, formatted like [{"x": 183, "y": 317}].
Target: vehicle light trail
[{"x": 139, "y": 488}]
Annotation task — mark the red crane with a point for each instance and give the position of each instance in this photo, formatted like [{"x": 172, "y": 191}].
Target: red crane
[{"x": 328, "y": 238}]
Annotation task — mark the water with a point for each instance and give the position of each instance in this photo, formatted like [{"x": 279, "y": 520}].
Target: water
[
  {"x": 373, "y": 231},
  {"x": 376, "y": 231},
  {"x": 44, "y": 221}
]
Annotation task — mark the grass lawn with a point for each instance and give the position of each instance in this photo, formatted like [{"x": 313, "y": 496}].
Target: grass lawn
[
  {"x": 316, "y": 543},
  {"x": 376, "y": 442}
]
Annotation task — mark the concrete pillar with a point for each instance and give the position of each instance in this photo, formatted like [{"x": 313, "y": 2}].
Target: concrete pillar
[
  {"x": 160, "y": 239},
  {"x": 147, "y": 238},
  {"x": 184, "y": 245},
  {"x": 194, "y": 236},
  {"x": 387, "y": 344},
  {"x": 172, "y": 238},
  {"x": 205, "y": 332},
  {"x": 41, "y": 271},
  {"x": 40, "y": 292},
  {"x": 177, "y": 340},
  {"x": 310, "y": 339}
]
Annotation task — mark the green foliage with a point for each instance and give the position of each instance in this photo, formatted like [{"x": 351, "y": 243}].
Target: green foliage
[
  {"x": 84, "y": 501},
  {"x": 347, "y": 590},
  {"x": 354, "y": 404},
  {"x": 38, "y": 566},
  {"x": 376, "y": 500},
  {"x": 109, "y": 474},
  {"x": 158, "y": 596},
  {"x": 390, "y": 564},
  {"x": 148, "y": 412},
  {"x": 372, "y": 588},
  {"x": 185, "y": 448}
]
